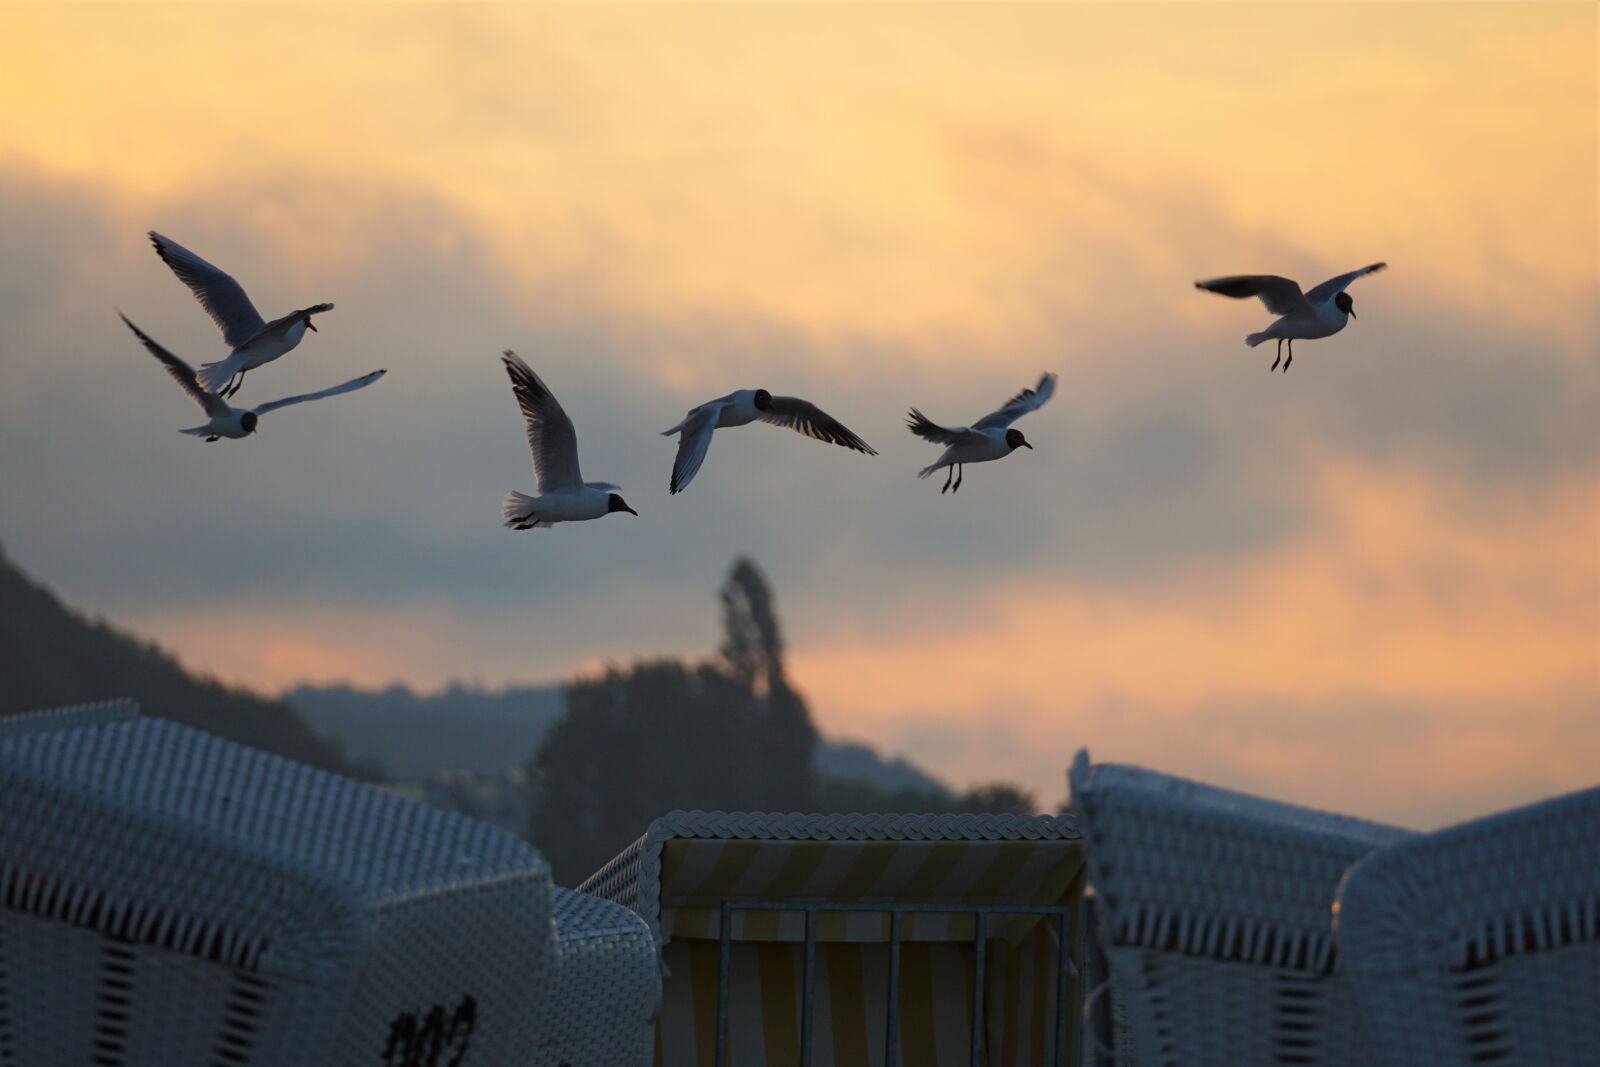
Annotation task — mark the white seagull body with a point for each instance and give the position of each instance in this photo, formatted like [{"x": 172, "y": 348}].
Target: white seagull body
[
  {"x": 255, "y": 342},
  {"x": 563, "y": 494},
  {"x": 1322, "y": 312},
  {"x": 224, "y": 420},
  {"x": 742, "y": 408},
  {"x": 990, "y": 438}
]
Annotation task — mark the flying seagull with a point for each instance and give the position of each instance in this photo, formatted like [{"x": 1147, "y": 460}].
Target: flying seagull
[
  {"x": 740, "y": 409},
  {"x": 991, "y": 437},
  {"x": 563, "y": 494},
  {"x": 255, "y": 343},
  {"x": 1301, "y": 316},
  {"x": 230, "y": 421}
]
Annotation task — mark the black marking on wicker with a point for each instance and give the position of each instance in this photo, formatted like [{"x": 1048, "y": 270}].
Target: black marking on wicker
[
  {"x": 1298, "y": 1018},
  {"x": 424, "y": 1041},
  {"x": 7, "y": 1052},
  {"x": 241, "y": 1019},
  {"x": 137, "y": 922},
  {"x": 113, "y": 1006},
  {"x": 1170, "y": 930},
  {"x": 1557, "y": 926},
  {"x": 1483, "y": 1018}
]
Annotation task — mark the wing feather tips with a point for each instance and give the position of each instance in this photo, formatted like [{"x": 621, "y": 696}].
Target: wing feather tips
[
  {"x": 1237, "y": 287},
  {"x": 920, "y": 424}
]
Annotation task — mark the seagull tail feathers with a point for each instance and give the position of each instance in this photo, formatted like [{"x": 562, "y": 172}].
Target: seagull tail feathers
[
  {"x": 925, "y": 471},
  {"x": 519, "y": 511},
  {"x": 198, "y": 431},
  {"x": 1256, "y": 338},
  {"x": 214, "y": 376}
]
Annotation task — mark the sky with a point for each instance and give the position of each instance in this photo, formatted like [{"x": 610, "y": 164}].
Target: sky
[{"x": 1371, "y": 584}]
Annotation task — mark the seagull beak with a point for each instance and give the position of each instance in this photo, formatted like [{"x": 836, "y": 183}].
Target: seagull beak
[
  {"x": 630, "y": 511},
  {"x": 312, "y": 328},
  {"x": 1352, "y": 313},
  {"x": 1027, "y": 446}
]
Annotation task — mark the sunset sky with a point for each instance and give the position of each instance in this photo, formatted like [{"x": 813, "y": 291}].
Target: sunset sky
[{"x": 1371, "y": 584}]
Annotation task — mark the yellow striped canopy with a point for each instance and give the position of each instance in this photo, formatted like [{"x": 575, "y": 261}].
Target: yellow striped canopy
[{"x": 690, "y": 863}]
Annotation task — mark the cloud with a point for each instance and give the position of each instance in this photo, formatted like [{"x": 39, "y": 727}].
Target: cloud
[{"x": 1396, "y": 525}]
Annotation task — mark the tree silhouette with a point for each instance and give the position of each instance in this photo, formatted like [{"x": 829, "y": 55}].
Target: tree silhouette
[{"x": 640, "y": 741}]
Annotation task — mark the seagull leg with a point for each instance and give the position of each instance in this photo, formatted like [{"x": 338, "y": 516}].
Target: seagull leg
[
  {"x": 1280, "y": 356},
  {"x": 1291, "y": 356},
  {"x": 947, "y": 477},
  {"x": 240, "y": 383},
  {"x": 959, "y": 476},
  {"x": 210, "y": 439}
]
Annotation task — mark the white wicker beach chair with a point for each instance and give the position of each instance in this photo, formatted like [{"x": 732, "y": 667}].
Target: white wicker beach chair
[
  {"x": 810, "y": 903},
  {"x": 170, "y": 898},
  {"x": 1215, "y": 917},
  {"x": 601, "y": 1009},
  {"x": 1480, "y": 944}
]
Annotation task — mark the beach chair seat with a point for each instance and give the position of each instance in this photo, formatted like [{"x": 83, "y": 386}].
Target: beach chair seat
[
  {"x": 1480, "y": 944},
  {"x": 1214, "y": 911}
]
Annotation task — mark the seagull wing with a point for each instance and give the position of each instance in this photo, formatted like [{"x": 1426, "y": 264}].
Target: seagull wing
[
  {"x": 348, "y": 387},
  {"x": 551, "y": 438},
  {"x": 221, "y": 296},
  {"x": 181, "y": 372},
  {"x": 802, "y": 416},
  {"x": 693, "y": 440},
  {"x": 1019, "y": 405},
  {"x": 1333, "y": 286},
  {"x": 929, "y": 430},
  {"x": 1281, "y": 295}
]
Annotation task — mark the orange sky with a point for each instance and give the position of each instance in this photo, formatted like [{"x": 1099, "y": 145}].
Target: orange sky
[{"x": 929, "y": 200}]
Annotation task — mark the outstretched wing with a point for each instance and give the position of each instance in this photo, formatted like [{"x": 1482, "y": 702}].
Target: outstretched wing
[
  {"x": 348, "y": 387},
  {"x": 551, "y": 438},
  {"x": 929, "y": 430},
  {"x": 1328, "y": 289},
  {"x": 1281, "y": 295},
  {"x": 805, "y": 417},
  {"x": 693, "y": 440},
  {"x": 1019, "y": 405},
  {"x": 221, "y": 296},
  {"x": 181, "y": 372}
]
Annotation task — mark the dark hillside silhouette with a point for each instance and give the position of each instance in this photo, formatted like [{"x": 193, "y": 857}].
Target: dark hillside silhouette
[{"x": 51, "y": 655}]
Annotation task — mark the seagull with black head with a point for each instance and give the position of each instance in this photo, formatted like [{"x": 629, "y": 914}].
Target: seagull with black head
[
  {"x": 742, "y": 408},
  {"x": 1322, "y": 312},
  {"x": 255, "y": 342},
  {"x": 991, "y": 437},
  {"x": 224, "y": 420},
  {"x": 563, "y": 494}
]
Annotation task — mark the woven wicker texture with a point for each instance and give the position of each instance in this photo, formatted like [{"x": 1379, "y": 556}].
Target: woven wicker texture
[
  {"x": 1215, "y": 910},
  {"x": 600, "y": 1008},
  {"x": 1480, "y": 944},
  {"x": 170, "y": 897}
]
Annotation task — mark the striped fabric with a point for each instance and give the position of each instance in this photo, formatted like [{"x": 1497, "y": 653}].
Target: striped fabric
[{"x": 700, "y": 860}]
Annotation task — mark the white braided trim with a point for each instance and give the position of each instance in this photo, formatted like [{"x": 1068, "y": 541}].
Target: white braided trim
[{"x": 71, "y": 716}]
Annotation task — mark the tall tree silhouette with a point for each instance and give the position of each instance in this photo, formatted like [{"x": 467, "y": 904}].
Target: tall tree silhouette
[
  {"x": 752, "y": 651},
  {"x": 640, "y": 741}
]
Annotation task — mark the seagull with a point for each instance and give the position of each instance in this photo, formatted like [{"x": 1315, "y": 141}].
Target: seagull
[
  {"x": 742, "y": 408},
  {"x": 563, "y": 494},
  {"x": 229, "y": 421},
  {"x": 255, "y": 343},
  {"x": 1301, "y": 316},
  {"x": 991, "y": 437}
]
